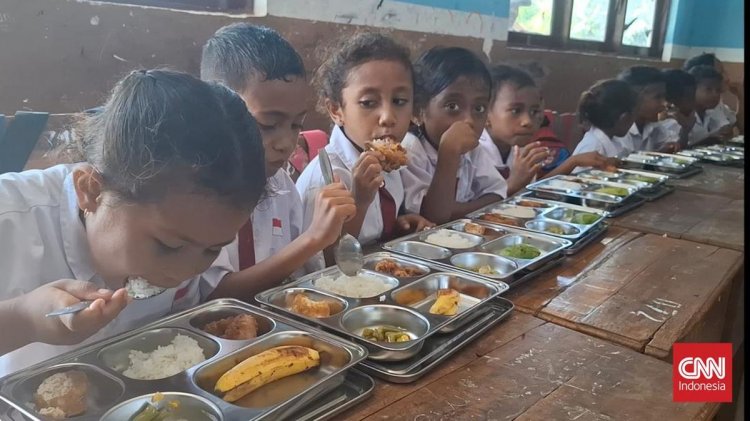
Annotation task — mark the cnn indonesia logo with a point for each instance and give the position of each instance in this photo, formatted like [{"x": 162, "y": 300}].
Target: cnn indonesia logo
[{"x": 702, "y": 372}]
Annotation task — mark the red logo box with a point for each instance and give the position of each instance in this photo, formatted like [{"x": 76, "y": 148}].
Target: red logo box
[{"x": 702, "y": 372}]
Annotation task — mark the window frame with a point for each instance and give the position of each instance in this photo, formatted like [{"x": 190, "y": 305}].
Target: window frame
[
  {"x": 214, "y": 6},
  {"x": 559, "y": 38}
]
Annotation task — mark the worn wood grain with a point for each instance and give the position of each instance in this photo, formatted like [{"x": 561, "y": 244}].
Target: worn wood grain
[
  {"x": 550, "y": 373},
  {"x": 700, "y": 217},
  {"x": 653, "y": 292},
  {"x": 723, "y": 181},
  {"x": 517, "y": 324}
]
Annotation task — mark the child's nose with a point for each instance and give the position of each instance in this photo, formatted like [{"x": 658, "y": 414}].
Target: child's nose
[{"x": 387, "y": 117}]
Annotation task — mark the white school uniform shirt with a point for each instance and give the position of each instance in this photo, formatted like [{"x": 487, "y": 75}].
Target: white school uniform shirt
[
  {"x": 488, "y": 147},
  {"x": 724, "y": 110},
  {"x": 277, "y": 221},
  {"x": 595, "y": 140},
  {"x": 42, "y": 240},
  {"x": 712, "y": 120},
  {"x": 476, "y": 175},
  {"x": 343, "y": 156},
  {"x": 654, "y": 136}
]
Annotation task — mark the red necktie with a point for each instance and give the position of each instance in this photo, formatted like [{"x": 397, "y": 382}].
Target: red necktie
[
  {"x": 505, "y": 172},
  {"x": 246, "y": 245},
  {"x": 388, "y": 212}
]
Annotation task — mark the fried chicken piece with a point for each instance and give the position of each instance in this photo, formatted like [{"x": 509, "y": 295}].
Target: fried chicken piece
[
  {"x": 446, "y": 302},
  {"x": 239, "y": 327},
  {"x": 499, "y": 219},
  {"x": 311, "y": 308},
  {"x": 392, "y": 268},
  {"x": 394, "y": 155},
  {"x": 64, "y": 393},
  {"x": 472, "y": 228}
]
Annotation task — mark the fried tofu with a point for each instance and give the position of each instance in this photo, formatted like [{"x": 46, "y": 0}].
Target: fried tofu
[
  {"x": 239, "y": 327},
  {"x": 311, "y": 308},
  {"x": 63, "y": 394}
]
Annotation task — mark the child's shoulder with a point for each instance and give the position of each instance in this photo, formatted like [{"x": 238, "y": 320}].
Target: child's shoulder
[{"x": 24, "y": 190}]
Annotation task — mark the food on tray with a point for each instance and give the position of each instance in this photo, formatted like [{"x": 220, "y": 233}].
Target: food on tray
[
  {"x": 394, "y": 155},
  {"x": 266, "y": 367},
  {"x": 564, "y": 185},
  {"x": 643, "y": 178},
  {"x": 516, "y": 211},
  {"x": 389, "y": 266},
  {"x": 301, "y": 304},
  {"x": 62, "y": 395},
  {"x": 473, "y": 228},
  {"x": 446, "y": 303},
  {"x": 520, "y": 251},
  {"x": 139, "y": 288},
  {"x": 182, "y": 353},
  {"x": 410, "y": 296},
  {"x": 390, "y": 334},
  {"x": 614, "y": 191},
  {"x": 499, "y": 219},
  {"x": 531, "y": 204},
  {"x": 583, "y": 218},
  {"x": 239, "y": 327},
  {"x": 554, "y": 229},
  {"x": 482, "y": 270},
  {"x": 157, "y": 409},
  {"x": 450, "y": 239},
  {"x": 358, "y": 286}
]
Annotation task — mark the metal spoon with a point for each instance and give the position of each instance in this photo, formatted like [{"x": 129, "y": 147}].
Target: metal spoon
[
  {"x": 348, "y": 251},
  {"x": 82, "y": 305}
]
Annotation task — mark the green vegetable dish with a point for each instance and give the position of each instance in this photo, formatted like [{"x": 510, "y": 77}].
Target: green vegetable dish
[
  {"x": 583, "y": 218},
  {"x": 555, "y": 230},
  {"x": 386, "y": 334},
  {"x": 520, "y": 251},
  {"x": 643, "y": 178},
  {"x": 614, "y": 191}
]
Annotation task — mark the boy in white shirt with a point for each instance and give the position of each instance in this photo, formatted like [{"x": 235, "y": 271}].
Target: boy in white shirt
[
  {"x": 269, "y": 75},
  {"x": 734, "y": 88},
  {"x": 710, "y": 123}
]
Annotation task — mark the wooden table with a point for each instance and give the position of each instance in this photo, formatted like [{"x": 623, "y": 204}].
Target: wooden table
[
  {"x": 704, "y": 218},
  {"x": 527, "y": 369},
  {"x": 727, "y": 182}
]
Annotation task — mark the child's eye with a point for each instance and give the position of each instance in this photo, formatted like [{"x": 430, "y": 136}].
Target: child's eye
[
  {"x": 481, "y": 109},
  {"x": 400, "y": 101},
  {"x": 515, "y": 111},
  {"x": 368, "y": 103},
  {"x": 452, "y": 106},
  {"x": 265, "y": 127},
  {"x": 165, "y": 248}
]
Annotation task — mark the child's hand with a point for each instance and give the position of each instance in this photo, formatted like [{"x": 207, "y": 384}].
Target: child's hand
[
  {"x": 528, "y": 160},
  {"x": 685, "y": 121},
  {"x": 368, "y": 177},
  {"x": 460, "y": 138},
  {"x": 726, "y": 132},
  {"x": 412, "y": 222},
  {"x": 71, "y": 328},
  {"x": 334, "y": 206},
  {"x": 670, "y": 147},
  {"x": 596, "y": 160}
]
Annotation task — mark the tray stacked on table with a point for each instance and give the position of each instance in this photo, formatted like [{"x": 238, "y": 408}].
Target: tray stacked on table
[
  {"x": 614, "y": 198},
  {"x": 579, "y": 225},
  {"x": 113, "y": 396},
  {"x": 651, "y": 186},
  {"x": 737, "y": 140},
  {"x": 404, "y": 303},
  {"x": 717, "y": 154},
  {"x": 482, "y": 250},
  {"x": 677, "y": 166}
]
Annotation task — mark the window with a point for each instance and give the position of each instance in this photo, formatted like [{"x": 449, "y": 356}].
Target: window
[
  {"x": 200, "y": 5},
  {"x": 634, "y": 27}
]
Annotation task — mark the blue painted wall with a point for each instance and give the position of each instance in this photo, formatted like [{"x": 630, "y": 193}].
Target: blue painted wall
[
  {"x": 499, "y": 8},
  {"x": 706, "y": 23}
]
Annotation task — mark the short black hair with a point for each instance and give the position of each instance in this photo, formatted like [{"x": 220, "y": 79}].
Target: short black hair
[
  {"x": 241, "y": 51},
  {"x": 438, "y": 67},
  {"x": 349, "y": 52},
  {"x": 704, "y": 73},
  {"x": 502, "y": 74},
  {"x": 604, "y": 103},
  {"x": 162, "y": 129},
  {"x": 705, "y": 59},
  {"x": 679, "y": 82},
  {"x": 641, "y": 76}
]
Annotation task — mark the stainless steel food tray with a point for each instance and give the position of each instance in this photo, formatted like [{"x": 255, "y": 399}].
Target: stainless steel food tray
[
  {"x": 392, "y": 307},
  {"x": 439, "y": 347},
  {"x": 717, "y": 154},
  {"x": 484, "y": 251},
  {"x": 588, "y": 194},
  {"x": 737, "y": 140},
  {"x": 111, "y": 391},
  {"x": 552, "y": 214},
  {"x": 675, "y": 165},
  {"x": 642, "y": 179}
]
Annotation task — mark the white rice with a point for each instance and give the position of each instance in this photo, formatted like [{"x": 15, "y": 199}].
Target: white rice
[
  {"x": 182, "y": 353},
  {"x": 564, "y": 185},
  {"x": 450, "y": 239},
  {"x": 359, "y": 286},
  {"x": 139, "y": 288},
  {"x": 517, "y": 211}
]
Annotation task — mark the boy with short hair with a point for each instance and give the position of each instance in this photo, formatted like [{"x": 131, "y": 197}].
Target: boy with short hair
[{"x": 709, "y": 125}]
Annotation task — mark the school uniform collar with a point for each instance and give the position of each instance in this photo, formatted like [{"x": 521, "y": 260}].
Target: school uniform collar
[
  {"x": 647, "y": 129},
  {"x": 493, "y": 151},
  {"x": 600, "y": 135},
  {"x": 344, "y": 148},
  {"x": 75, "y": 242}
]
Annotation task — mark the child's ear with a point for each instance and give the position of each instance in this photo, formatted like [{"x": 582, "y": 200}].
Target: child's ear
[
  {"x": 335, "y": 111},
  {"x": 88, "y": 185}
]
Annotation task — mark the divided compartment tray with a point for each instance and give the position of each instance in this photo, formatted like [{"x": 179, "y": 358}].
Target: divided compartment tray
[
  {"x": 678, "y": 166},
  {"x": 484, "y": 249},
  {"x": 404, "y": 305},
  {"x": 439, "y": 347},
  {"x": 110, "y": 389},
  {"x": 589, "y": 194}
]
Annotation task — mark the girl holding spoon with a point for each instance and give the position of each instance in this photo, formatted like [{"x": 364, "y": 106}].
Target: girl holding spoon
[{"x": 172, "y": 168}]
